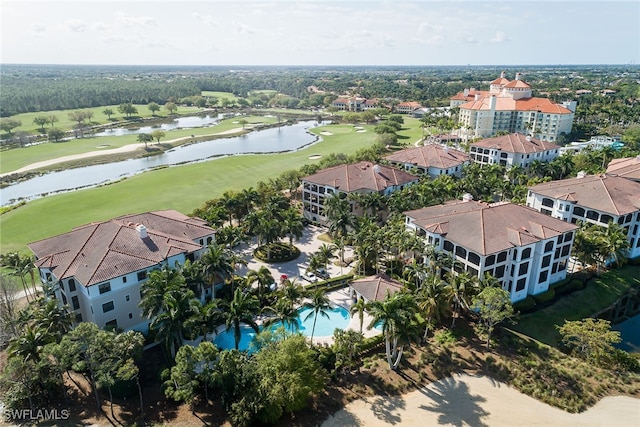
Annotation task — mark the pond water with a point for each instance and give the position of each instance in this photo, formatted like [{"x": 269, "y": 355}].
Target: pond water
[
  {"x": 273, "y": 140},
  {"x": 630, "y": 332},
  {"x": 178, "y": 123}
]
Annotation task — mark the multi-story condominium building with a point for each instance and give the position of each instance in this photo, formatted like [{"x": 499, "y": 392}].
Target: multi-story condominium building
[
  {"x": 431, "y": 159},
  {"x": 509, "y": 106},
  {"x": 628, "y": 167},
  {"x": 355, "y": 103},
  {"x": 597, "y": 199},
  {"x": 361, "y": 177},
  {"x": 408, "y": 107},
  {"x": 524, "y": 249},
  {"x": 511, "y": 150},
  {"x": 99, "y": 268}
]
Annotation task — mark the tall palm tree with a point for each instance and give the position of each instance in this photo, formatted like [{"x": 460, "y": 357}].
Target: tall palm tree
[
  {"x": 20, "y": 266},
  {"x": 319, "y": 305},
  {"x": 614, "y": 243},
  {"x": 432, "y": 301},
  {"x": 339, "y": 216},
  {"x": 178, "y": 306},
  {"x": 27, "y": 346},
  {"x": 460, "y": 288},
  {"x": 263, "y": 277},
  {"x": 159, "y": 283},
  {"x": 217, "y": 264},
  {"x": 241, "y": 310},
  {"x": 53, "y": 320},
  {"x": 283, "y": 313},
  {"x": 396, "y": 314},
  {"x": 359, "y": 308},
  {"x": 292, "y": 224},
  {"x": 326, "y": 253}
]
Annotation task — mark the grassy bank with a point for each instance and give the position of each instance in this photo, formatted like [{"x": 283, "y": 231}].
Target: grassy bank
[
  {"x": 599, "y": 294},
  {"x": 182, "y": 188},
  {"x": 19, "y": 157}
]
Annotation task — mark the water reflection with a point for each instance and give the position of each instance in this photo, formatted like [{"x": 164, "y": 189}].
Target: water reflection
[
  {"x": 179, "y": 123},
  {"x": 286, "y": 138}
]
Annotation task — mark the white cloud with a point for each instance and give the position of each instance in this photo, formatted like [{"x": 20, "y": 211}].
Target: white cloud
[
  {"x": 500, "y": 37},
  {"x": 76, "y": 26},
  {"x": 99, "y": 26},
  {"x": 242, "y": 29},
  {"x": 207, "y": 19},
  {"x": 436, "y": 40},
  {"x": 38, "y": 30},
  {"x": 425, "y": 26},
  {"x": 469, "y": 39},
  {"x": 134, "y": 21}
]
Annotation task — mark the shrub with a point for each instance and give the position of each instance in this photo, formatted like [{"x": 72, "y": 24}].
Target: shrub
[
  {"x": 276, "y": 252},
  {"x": 526, "y": 305},
  {"x": 572, "y": 286},
  {"x": 546, "y": 296},
  {"x": 444, "y": 337}
]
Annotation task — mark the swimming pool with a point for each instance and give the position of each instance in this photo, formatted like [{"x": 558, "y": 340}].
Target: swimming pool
[{"x": 338, "y": 318}]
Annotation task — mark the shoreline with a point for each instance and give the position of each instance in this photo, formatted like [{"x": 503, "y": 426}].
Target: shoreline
[
  {"x": 124, "y": 149},
  {"x": 475, "y": 400}
]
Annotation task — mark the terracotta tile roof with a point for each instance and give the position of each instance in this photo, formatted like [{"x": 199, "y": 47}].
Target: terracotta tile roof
[
  {"x": 361, "y": 176},
  {"x": 506, "y": 103},
  {"x": 376, "y": 288},
  {"x": 610, "y": 194},
  {"x": 628, "y": 167},
  {"x": 460, "y": 96},
  {"x": 410, "y": 104},
  {"x": 488, "y": 228},
  {"x": 515, "y": 143},
  {"x": 500, "y": 81},
  {"x": 517, "y": 84},
  {"x": 97, "y": 252},
  {"x": 432, "y": 155}
]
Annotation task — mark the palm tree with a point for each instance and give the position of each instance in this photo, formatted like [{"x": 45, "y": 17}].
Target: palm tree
[
  {"x": 614, "y": 243},
  {"x": 217, "y": 263},
  {"x": 396, "y": 314},
  {"x": 326, "y": 253},
  {"x": 292, "y": 291},
  {"x": 53, "y": 320},
  {"x": 292, "y": 224},
  {"x": 415, "y": 272},
  {"x": 460, "y": 288},
  {"x": 359, "y": 307},
  {"x": 159, "y": 283},
  {"x": 432, "y": 301},
  {"x": 319, "y": 304},
  {"x": 339, "y": 216},
  {"x": 284, "y": 313},
  {"x": 19, "y": 266},
  {"x": 241, "y": 310},
  {"x": 28, "y": 345},
  {"x": 264, "y": 278},
  {"x": 178, "y": 306}
]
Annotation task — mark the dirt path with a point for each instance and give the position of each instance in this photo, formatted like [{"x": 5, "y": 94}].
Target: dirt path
[
  {"x": 465, "y": 400},
  {"x": 123, "y": 149}
]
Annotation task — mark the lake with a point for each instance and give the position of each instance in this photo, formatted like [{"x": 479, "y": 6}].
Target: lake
[
  {"x": 273, "y": 140},
  {"x": 630, "y": 332}
]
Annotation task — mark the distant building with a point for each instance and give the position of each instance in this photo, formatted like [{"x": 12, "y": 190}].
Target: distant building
[
  {"x": 509, "y": 106},
  {"x": 340, "y": 181},
  {"x": 355, "y": 103},
  {"x": 408, "y": 107},
  {"x": 597, "y": 199},
  {"x": 524, "y": 249},
  {"x": 431, "y": 159},
  {"x": 513, "y": 149},
  {"x": 100, "y": 267}
]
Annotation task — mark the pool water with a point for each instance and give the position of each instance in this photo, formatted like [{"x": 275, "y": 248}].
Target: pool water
[
  {"x": 630, "y": 333},
  {"x": 338, "y": 318}
]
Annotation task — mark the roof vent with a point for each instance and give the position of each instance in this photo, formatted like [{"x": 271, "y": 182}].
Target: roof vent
[
  {"x": 467, "y": 197},
  {"x": 142, "y": 231},
  {"x": 529, "y": 138},
  {"x": 376, "y": 168},
  {"x": 581, "y": 174}
]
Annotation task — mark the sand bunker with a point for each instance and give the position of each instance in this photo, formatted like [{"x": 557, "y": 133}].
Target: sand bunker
[
  {"x": 361, "y": 130},
  {"x": 324, "y": 132},
  {"x": 315, "y": 157}
]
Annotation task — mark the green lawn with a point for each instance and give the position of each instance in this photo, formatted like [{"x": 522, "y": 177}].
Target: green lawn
[
  {"x": 182, "y": 188},
  {"x": 599, "y": 294},
  {"x": 16, "y": 158},
  {"x": 220, "y": 95},
  {"x": 65, "y": 123}
]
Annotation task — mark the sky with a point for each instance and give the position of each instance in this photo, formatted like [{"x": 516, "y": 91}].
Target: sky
[{"x": 319, "y": 32}]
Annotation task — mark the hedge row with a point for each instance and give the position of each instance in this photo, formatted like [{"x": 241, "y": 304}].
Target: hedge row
[{"x": 556, "y": 290}]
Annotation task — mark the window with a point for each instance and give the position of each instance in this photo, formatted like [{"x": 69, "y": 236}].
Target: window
[
  {"x": 448, "y": 246},
  {"x": 142, "y": 275},
  {"x": 104, "y": 287},
  {"x": 565, "y": 250},
  {"x": 499, "y": 272},
  {"x": 75, "y": 303},
  {"x": 605, "y": 219},
  {"x": 593, "y": 215},
  {"x": 126, "y": 298},
  {"x": 461, "y": 252},
  {"x": 526, "y": 253},
  {"x": 577, "y": 211},
  {"x": 78, "y": 318},
  {"x": 521, "y": 284},
  {"x": 124, "y": 279},
  {"x": 546, "y": 261},
  {"x": 543, "y": 276},
  {"x": 130, "y": 315},
  {"x": 72, "y": 285},
  {"x": 474, "y": 258},
  {"x": 548, "y": 247},
  {"x": 107, "y": 307},
  {"x": 111, "y": 324},
  {"x": 547, "y": 202},
  {"x": 64, "y": 298},
  {"x": 491, "y": 259},
  {"x": 568, "y": 237},
  {"x": 524, "y": 267},
  {"x": 502, "y": 257}
]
